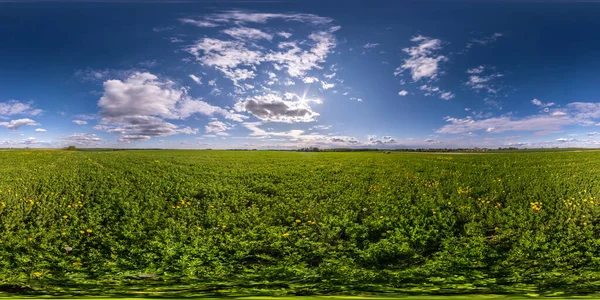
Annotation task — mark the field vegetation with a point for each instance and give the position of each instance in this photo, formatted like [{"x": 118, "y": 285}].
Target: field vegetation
[{"x": 262, "y": 222}]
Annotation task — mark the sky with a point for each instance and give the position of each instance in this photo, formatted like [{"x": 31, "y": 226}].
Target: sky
[{"x": 292, "y": 74}]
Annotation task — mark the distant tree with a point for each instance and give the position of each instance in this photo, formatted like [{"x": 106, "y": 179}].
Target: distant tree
[{"x": 71, "y": 148}]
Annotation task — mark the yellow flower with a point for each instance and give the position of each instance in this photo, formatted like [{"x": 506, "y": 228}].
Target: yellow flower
[
  {"x": 81, "y": 231},
  {"x": 434, "y": 212},
  {"x": 449, "y": 203},
  {"x": 63, "y": 233},
  {"x": 286, "y": 234},
  {"x": 298, "y": 221},
  {"x": 37, "y": 274},
  {"x": 65, "y": 217},
  {"x": 89, "y": 231}
]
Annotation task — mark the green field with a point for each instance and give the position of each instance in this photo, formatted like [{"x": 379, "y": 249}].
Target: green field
[{"x": 218, "y": 223}]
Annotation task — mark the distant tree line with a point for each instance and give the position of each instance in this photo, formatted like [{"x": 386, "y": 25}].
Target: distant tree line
[{"x": 315, "y": 149}]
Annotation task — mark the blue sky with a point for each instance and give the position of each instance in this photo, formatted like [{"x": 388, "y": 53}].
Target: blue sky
[{"x": 386, "y": 74}]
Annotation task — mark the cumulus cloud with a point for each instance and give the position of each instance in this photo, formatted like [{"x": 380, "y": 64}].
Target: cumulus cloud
[
  {"x": 565, "y": 140},
  {"x": 15, "y": 107},
  {"x": 434, "y": 90},
  {"x": 228, "y": 56},
  {"x": 284, "y": 34},
  {"x": 423, "y": 62},
  {"x": 326, "y": 85},
  {"x": 273, "y": 108},
  {"x": 344, "y": 140},
  {"x": 374, "y": 140},
  {"x": 196, "y": 79},
  {"x": 40, "y": 130},
  {"x": 218, "y": 127},
  {"x": 16, "y": 124},
  {"x": 137, "y": 108},
  {"x": 403, "y": 93},
  {"x": 83, "y": 139},
  {"x": 432, "y": 141},
  {"x": 298, "y": 138},
  {"x": 476, "y": 70},
  {"x": 80, "y": 122},
  {"x": 22, "y": 143},
  {"x": 310, "y": 79},
  {"x": 245, "y": 33},
  {"x": 478, "y": 81}
]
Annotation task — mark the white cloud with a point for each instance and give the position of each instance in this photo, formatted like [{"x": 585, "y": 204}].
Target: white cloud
[
  {"x": 175, "y": 40},
  {"x": 434, "y": 90},
  {"x": 224, "y": 55},
  {"x": 584, "y": 111},
  {"x": 15, "y": 107},
  {"x": 564, "y": 140},
  {"x": 284, "y": 34},
  {"x": 370, "y": 45},
  {"x": 273, "y": 108},
  {"x": 246, "y": 33},
  {"x": 477, "y": 81},
  {"x": 403, "y": 93},
  {"x": 298, "y": 61},
  {"x": 592, "y": 133},
  {"x": 16, "y": 124},
  {"x": 40, "y": 130},
  {"x": 137, "y": 108},
  {"x": 196, "y": 79},
  {"x": 344, "y": 140},
  {"x": 537, "y": 123},
  {"x": 227, "y": 56},
  {"x": 423, "y": 62},
  {"x": 320, "y": 127},
  {"x": 242, "y": 17},
  {"x": 576, "y": 113},
  {"x": 310, "y": 79},
  {"x": 83, "y": 139},
  {"x": 446, "y": 95},
  {"x": 218, "y": 127},
  {"x": 476, "y": 70},
  {"x": 198, "y": 23},
  {"x": 326, "y": 85},
  {"x": 329, "y": 76},
  {"x": 80, "y": 122},
  {"x": 374, "y": 140},
  {"x": 487, "y": 39}
]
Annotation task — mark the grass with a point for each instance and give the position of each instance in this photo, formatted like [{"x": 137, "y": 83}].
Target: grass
[{"x": 215, "y": 223}]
